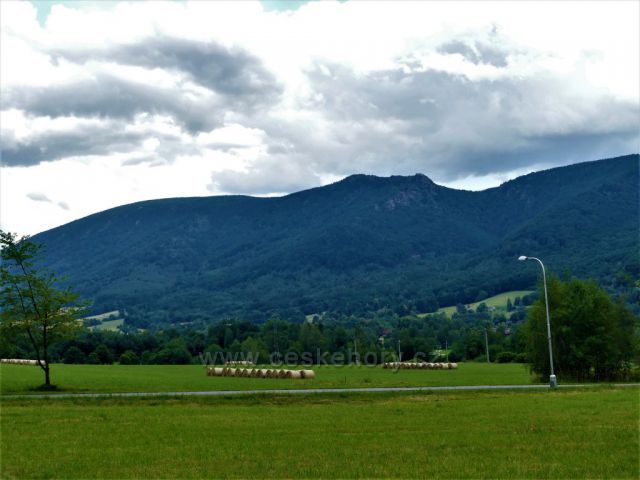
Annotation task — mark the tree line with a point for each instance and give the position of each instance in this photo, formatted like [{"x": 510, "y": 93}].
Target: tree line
[{"x": 595, "y": 337}]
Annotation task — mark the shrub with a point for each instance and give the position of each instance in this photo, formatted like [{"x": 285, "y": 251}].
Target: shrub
[
  {"x": 103, "y": 354},
  {"x": 505, "y": 357},
  {"x": 129, "y": 358},
  {"x": 521, "y": 358},
  {"x": 74, "y": 355}
]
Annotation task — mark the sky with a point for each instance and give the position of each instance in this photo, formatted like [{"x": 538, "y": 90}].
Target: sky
[{"x": 108, "y": 103}]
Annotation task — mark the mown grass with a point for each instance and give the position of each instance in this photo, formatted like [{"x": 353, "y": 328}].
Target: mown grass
[
  {"x": 18, "y": 379},
  {"x": 549, "y": 434}
]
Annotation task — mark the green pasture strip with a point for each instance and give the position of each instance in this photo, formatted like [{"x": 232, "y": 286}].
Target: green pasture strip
[
  {"x": 497, "y": 301},
  {"x": 572, "y": 433},
  {"x": 19, "y": 379}
]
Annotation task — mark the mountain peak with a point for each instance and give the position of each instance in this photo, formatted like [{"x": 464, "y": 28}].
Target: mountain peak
[
  {"x": 352, "y": 246},
  {"x": 367, "y": 179}
]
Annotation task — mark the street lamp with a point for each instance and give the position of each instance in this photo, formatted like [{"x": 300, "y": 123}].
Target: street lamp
[{"x": 552, "y": 378}]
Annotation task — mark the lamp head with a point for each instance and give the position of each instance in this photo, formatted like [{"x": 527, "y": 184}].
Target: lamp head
[{"x": 522, "y": 258}]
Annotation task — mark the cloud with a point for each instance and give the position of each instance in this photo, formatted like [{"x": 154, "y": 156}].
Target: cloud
[
  {"x": 228, "y": 71},
  {"x": 41, "y": 197},
  {"x": 230, "y": 98},
  {"x": 52, "y": 145},
  {"x": 110, "y": 97},
  {"x": 38, "y": 197},
  {"x": 274, "y": 174},
  {"x": 478, "y": 53},
  {"x": 415, "y": 119}
]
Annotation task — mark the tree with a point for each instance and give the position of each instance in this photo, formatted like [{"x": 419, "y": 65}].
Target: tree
[
  {"x": 174, "y": 353},
  {"x": 103, "y": 354},
  {"x": 74, "y": 355},
  {"x": 129, "y": 358},
  {"x": 31, "y": 303},
  {"x": 593, "y": 337}
]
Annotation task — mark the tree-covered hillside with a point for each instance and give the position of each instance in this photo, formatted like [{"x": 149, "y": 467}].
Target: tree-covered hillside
[{"x": 355, "y": 246}]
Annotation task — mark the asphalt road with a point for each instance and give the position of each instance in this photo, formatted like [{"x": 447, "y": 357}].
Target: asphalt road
[{"x": 310, "y": 391}]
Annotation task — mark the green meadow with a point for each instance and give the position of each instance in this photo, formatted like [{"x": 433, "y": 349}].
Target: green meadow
[
  {"x": 567, "y": 433},
  {"x": 499, "y": 302},
  {"x": 20, "y": 379}
]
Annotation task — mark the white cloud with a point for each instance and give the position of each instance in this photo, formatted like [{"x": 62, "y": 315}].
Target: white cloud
[{"x": 109, "y": 105}]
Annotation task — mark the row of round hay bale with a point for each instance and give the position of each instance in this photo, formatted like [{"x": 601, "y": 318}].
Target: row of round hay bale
[
  {"x": 238, "y": 362},
  {"x": 259, "y": 372},
  {"x": 421, "y": 365},
  {"x": 20, "y": 361}
]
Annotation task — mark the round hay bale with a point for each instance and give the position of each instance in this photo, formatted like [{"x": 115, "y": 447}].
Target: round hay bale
[
  {"x": 232, "y": 372},
  {"x": 295, "y": 374},
  {"x": 217, "y": 371},
  {"x": 453, "y": 366},
  {"x": 287, "y": 373},
  {"x": 269, "y": 373},
  {"x": 307, "y": 374},
  {"x": 282, "y": 373},
  {"x": 263, "y": 373}
]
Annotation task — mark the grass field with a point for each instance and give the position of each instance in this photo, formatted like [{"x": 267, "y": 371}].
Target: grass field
[
  {"x": 549, "y": 434},
  {"x": 166, "y": 378},
  {"x": 498, "y": 301},
  {"x": 111, "y": 325}
]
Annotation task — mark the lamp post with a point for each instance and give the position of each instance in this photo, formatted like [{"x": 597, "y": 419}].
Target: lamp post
[{"x": 553, "y": 382}]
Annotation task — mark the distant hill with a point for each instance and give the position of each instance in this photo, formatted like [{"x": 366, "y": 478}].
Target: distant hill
[{"x": 360, "y": 244}]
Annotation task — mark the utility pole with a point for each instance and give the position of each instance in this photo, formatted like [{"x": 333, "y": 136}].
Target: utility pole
[{"x": 399, "y": 352}]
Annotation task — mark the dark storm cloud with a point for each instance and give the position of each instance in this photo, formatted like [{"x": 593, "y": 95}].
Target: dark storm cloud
[
  {"x": 233, "y": 81},
  {"x": 53, "y": 145},
  {"x": 94, "y": 139},
  {"x": 109, "y": 97},
  {"x": 232, "y": 73},
  {"x": 445, "y": 125}
]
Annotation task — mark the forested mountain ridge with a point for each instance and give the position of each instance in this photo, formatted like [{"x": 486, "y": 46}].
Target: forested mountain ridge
[{"x": 354, "y": 246}]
